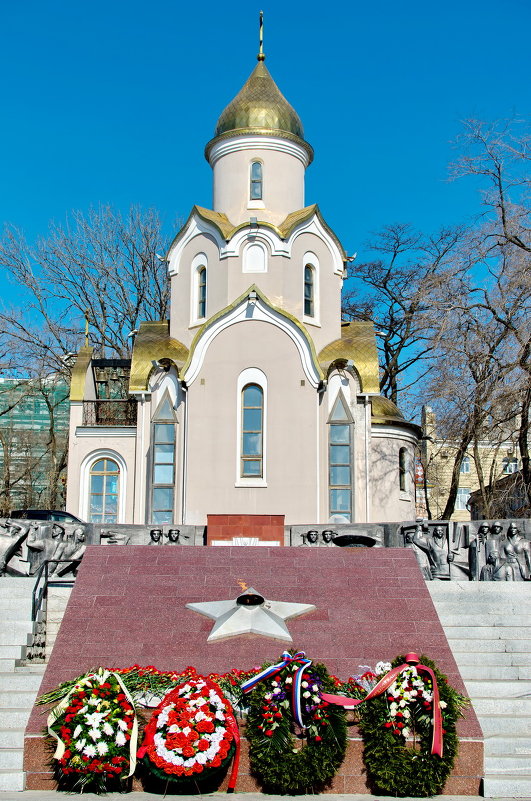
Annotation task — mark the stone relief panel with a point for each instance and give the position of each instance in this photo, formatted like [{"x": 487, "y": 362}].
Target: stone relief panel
[
  {"x": 152, "y": 535},
  {"x": 476, "y": 551},
  {"x": 337, "y": 535},
  {"x": 26, "y": 544}
]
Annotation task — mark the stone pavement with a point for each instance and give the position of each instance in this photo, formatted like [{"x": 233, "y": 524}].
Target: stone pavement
[{"x": 48, "y": 795}]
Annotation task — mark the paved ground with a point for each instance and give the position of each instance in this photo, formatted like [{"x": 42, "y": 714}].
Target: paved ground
[{"x": 38, "y": 795}]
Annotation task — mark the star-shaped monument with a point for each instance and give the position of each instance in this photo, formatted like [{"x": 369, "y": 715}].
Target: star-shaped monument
[{"x": 250, "y": 613}]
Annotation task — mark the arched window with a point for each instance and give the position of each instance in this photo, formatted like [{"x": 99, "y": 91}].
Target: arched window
[
  {"x": 340, "y": 459},
  {"x": 402, "y": 469},
  {"x": 252, "y": 429},
  {"x": 309, "y": 291},
  {"x": 201, "y": 292},
  {"x": 255, "y": 191},
  {"x": 465, "y": 465},
  {"x": 104, "y": 492}
]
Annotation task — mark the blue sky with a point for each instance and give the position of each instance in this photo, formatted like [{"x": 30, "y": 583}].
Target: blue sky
[{"x": 113, "y": 102}]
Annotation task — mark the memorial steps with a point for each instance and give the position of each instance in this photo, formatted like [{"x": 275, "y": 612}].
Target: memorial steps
[
  {"x": 18, "y": 684},
  {"x": 488, "y": 626}
]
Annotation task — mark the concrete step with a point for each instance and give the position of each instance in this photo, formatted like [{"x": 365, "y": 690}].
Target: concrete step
[
  {"x": 10, "y": 651},
  {"x": 513, "y": 608},
  {"x": 11, "y": 758},
  {"x": 500, "y": 658},
  {"x": 19, "y": 608},
  {"x": 494, "y": 725},
  {"x": 507, "y": 764},
  {"x": 487, "y": 672},
  {"x": 11, "y": 781},
  {"x": 16, "y": 587},
  {"x": 492, "y": 646},
  {"x": 14, "y": 718},
  {"x": 20, "y": 681},
  {"x": 487, "y": 632},
  {"x": 517, "y": 707},
  {"x": 15, "y": 631},
  {"x": 498, "y": 688},
  {"x": 511, "y": 746},
  {"x": 7, "y": 664},
  {"x": 507, "y": 787},
  {"x": 17, "y": 699},
  {"x": 11, "y": 738}
]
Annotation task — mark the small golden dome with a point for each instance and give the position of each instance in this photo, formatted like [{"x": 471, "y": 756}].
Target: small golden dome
[{"x": 260, "y": 109}]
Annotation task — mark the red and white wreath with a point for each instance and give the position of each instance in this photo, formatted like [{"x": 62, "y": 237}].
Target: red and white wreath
[{"x": 190, "y": 732}]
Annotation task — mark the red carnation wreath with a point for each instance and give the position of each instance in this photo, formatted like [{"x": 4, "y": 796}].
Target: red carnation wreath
[{"x": 192, "y": 734}]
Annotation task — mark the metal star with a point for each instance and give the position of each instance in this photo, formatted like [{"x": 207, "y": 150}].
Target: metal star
[{"x": 250, "y": 613}]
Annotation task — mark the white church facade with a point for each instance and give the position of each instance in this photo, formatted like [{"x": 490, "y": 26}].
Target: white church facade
[{"x": 255, "y": 397}]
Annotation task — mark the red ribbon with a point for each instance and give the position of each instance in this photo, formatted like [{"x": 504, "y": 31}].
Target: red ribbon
[{"x": 385, "y": 682}]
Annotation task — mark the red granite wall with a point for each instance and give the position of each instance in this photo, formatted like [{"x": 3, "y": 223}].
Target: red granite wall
[
  {"x": 267, "y": 528},
  {"x": 128, "y": 606}
]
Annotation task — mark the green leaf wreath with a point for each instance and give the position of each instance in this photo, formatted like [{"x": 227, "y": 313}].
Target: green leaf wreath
[
  {"x": 285, "y": 758},
  {"x": 397, "y": 732}
]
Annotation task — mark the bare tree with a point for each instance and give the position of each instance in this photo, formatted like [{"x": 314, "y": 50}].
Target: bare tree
[
  {"x": 99, "y": 267},
  {"x": 397, "y": 293}
]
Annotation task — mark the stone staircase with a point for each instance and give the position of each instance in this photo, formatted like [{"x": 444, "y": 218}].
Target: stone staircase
[
  {"x": 19, "y": 682},
  {"x": 488, "y": 626}
]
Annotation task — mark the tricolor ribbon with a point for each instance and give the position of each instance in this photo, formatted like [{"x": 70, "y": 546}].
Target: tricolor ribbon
[
  {"x": 385, "y": 682},
  {"x": 272, "y": 670}
]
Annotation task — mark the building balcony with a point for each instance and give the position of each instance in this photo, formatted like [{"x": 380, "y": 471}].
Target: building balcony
[{"x": 110, "y": 412}]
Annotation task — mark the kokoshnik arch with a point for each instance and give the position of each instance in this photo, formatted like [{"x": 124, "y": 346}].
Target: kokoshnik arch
[{"x": 254, "y": 398}]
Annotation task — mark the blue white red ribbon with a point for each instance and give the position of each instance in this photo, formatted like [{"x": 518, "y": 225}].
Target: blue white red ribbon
[{"x": 296, "y": 687}]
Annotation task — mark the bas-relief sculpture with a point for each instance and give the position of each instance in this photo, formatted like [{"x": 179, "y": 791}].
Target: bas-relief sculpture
[
  {"x": 151, "y": 535},
  {"x": 474, "y": 551},
  {"x": 26, "y": 544},
  {"x": 333, "y": 535}
]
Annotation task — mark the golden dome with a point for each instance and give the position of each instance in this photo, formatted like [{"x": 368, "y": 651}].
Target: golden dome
[{"x": 260, "y": 109}]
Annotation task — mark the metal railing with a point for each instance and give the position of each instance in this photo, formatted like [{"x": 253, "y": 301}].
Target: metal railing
[
  {"x": 44, "y": 579},
  {"x": 110, "y": 412}
]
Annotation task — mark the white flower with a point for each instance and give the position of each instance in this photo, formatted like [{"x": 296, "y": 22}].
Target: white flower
[
  {"x": 77, "y": 731},
  {"x": 315, "y": 688},
  {"x": 382, "y": 667},
  {"x": 123, "y": 725},
  {"x": 107, "y": 728},
  {"x": 406, "y": 713},
  {"x": 289, "y": 680},
  {"x": 405, "y": 732},
  {"x": 306, "y": 694},
  {"x": 95, "y": 734},
  {"x": 120, "y": 739},
  {"x": 304, "y": 684},
  {"x": 276, "y": 691},
  {"x": 80, "y": 744},
  {"x": 95, "y": 719},
  {"x": 443, "y": 704},
  {"x": 89, "y": 751},
  {"x": 102, "y": 747}
]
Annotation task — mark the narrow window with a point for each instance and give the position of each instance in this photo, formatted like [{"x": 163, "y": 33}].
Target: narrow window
[
  {"x": 402, "y": 469},
  {"x": 201, "y": 292},
  {"x": 309, "y": 291},
  {"x": 256, "y": 181},
  {"x": 463, "y": 495},
  {"x": 340, "y": 460},
  {"x": 510, "y": 465},
  {"x": 465, "y": 465},
  {"x": 104, "y": 491},
  {"x": 163, "y": 463},
  {"x": 252, "y": 431}
]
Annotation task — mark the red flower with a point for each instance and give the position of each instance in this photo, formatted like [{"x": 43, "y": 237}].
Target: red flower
[
  {"x": 268, "y": 733},
  {"x": 203, "y": 745},
  {"x": 317, "y": 739},
  {"x": 188, "y": 751},
  {"x": 205, "y": 726}
]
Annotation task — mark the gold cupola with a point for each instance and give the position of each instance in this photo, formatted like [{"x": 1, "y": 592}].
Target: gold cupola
[{"x": 260, "y": 109}]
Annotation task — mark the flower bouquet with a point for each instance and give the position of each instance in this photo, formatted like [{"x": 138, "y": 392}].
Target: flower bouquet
[
  {"x": 96, "y": 731},
  {"x": 192, "y": 734}
]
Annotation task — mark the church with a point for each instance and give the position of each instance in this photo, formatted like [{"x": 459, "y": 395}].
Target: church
[{"x": 254, "y": 398}]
